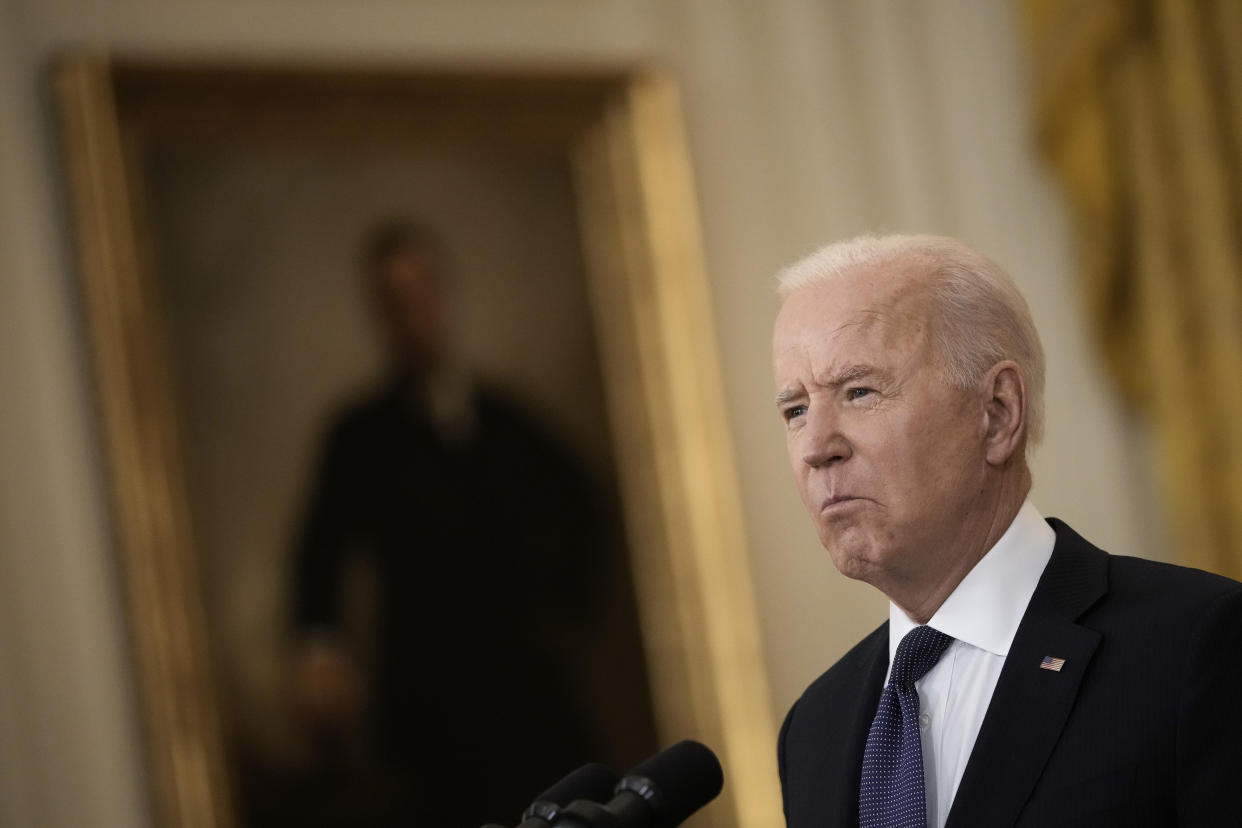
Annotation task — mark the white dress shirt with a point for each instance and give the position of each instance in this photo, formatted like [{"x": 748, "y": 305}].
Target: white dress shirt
[{"x": 982, "y": 616}]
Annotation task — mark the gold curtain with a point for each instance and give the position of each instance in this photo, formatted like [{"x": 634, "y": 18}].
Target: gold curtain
[{"x": 1139, "y": 111}]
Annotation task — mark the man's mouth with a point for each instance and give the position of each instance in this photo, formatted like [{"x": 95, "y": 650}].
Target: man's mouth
[{"x": 836, "y": 500}]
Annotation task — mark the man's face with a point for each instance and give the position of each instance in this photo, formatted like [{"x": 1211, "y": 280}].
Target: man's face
[
  {"x": 412, "y": 309},
  {"x": 887, "y": 456}
]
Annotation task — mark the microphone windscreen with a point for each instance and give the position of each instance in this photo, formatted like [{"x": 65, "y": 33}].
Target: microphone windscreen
[
  {"x": 594, "y": 782},
  {"x": 687, "y": 776}
]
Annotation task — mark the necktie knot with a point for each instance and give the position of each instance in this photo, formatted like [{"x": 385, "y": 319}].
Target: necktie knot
[{"x": 917, "y": 653}]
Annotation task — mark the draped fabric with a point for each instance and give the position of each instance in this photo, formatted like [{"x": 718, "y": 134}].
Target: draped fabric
[{"x": 1139, "y": 111}]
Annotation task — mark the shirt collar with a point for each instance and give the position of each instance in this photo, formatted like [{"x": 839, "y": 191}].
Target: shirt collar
[{"x": 987, "y": 606}]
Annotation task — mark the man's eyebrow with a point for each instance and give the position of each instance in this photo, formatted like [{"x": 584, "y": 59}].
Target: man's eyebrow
[
  {"x": 855, "y": 372},
  {"x": 787, "y": 395},
  {"x": 846, "y": 375}
]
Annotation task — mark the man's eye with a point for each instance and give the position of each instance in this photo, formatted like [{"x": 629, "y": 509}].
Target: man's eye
[
  {"x": 794, "y": 411},
  {"x": 858, "y": 393}
]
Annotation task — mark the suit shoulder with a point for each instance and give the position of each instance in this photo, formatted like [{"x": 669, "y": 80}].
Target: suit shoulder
[
  {"x": 1150, "y": 605},
  {"x": 1165, "y": 581},
  {"x": 359, "y": 413},
  {"x": 1081, "y": 577}
]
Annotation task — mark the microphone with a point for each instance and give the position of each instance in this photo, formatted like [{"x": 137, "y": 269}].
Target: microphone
[
  {"x": 594, "y": 782},
  {"x": 659, "y": 793}
]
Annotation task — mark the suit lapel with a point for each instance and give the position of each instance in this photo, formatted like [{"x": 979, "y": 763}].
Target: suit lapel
[
  {"x": 854, "y": 723},
  {"x": 1030, "y": 705}
]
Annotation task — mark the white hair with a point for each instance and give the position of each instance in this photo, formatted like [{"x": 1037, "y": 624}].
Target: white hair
[{"x": 982, "y": 320}]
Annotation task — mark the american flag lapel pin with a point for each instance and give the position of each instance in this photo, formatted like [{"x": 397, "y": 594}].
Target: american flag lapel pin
[{"x": 1053, "y": 664}]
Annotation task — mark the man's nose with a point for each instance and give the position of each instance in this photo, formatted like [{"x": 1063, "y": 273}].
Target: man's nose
[{"x": 823, "y": 441}]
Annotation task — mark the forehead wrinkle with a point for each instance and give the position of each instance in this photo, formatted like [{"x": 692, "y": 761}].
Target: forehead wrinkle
[
  {"x": 906, "y": 311},
  {"x": 892, "y": 327},
  {"x": 865, "y": 318}
]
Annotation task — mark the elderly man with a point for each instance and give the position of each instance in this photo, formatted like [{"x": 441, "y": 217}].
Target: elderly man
[{"x": 1024, "y": 677}]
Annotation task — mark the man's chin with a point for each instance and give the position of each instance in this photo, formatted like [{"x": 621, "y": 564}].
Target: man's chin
[{"x": 853, "y": 564}]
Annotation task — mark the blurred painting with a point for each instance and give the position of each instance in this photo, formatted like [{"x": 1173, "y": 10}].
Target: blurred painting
[{"x": 401, "y": 479}]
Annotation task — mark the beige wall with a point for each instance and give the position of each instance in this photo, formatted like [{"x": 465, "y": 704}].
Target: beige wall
[{"x": 808, "y": 120}]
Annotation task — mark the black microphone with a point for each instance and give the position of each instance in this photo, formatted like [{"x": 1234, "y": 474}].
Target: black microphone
[
  {"x": 593, "y": 782},
  {"x": 659, "y": 793}
]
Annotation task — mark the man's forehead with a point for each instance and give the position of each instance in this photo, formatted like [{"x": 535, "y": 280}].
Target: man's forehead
[
  {"x": 826, "y": 330},
  {"x": 860, "y": 301}
]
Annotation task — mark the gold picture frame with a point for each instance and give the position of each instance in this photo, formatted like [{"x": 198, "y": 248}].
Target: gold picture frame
[{"x": 620, "y": 131}]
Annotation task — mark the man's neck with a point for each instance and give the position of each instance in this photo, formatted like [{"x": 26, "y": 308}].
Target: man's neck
[{"x": 919, "y": 598}]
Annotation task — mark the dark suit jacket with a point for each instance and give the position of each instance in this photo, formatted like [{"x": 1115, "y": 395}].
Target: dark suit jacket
[
  {"x": 479, "y": 546},
  {"x": 1142, "y": 726}
]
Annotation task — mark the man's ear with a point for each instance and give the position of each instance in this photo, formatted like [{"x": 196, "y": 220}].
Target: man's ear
[{"x": 1004, "y": 412}]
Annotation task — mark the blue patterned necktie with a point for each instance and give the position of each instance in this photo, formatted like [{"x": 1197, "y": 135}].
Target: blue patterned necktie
[{"x": 892, "y": 793}]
